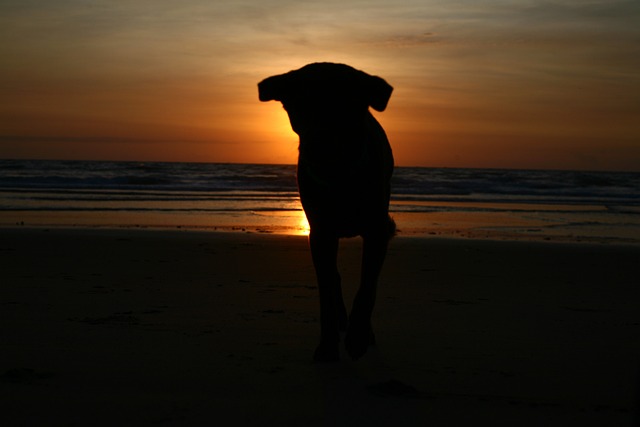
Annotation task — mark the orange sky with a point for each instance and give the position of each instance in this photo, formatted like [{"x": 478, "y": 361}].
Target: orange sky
[{"x": 515, "y": 84}]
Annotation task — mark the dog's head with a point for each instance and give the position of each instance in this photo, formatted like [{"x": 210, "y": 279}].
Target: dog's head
[{"x": 322, "y": 98}]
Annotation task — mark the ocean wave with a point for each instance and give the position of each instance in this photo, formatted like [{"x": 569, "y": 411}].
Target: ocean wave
[{"x": 198, "y": 181}]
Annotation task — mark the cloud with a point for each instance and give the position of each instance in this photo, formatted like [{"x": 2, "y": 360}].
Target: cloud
[
  {"x": 411, "y": 40},
  {"x": 616, "y": 12}
]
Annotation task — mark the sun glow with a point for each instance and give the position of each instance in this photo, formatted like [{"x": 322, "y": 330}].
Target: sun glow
[
  {"x": 272, "y": 133},
  {"x": 273, "y": 121}
]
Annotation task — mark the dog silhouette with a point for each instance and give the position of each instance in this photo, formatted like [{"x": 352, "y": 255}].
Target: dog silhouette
[{"x": 345, "y": 165}]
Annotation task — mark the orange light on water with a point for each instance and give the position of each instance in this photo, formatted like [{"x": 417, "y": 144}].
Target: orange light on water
[
  {"x": 286, "y": 222},
  {"x": 303, "y": 225}
]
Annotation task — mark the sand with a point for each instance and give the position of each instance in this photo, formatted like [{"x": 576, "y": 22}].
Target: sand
[{"x": 145, "y": 328}]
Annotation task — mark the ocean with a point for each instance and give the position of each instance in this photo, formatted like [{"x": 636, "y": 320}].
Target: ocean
[{"x": 472, "y": 203}]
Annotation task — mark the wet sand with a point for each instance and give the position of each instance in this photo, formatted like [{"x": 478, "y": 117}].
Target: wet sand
[{"x": 138, "y": 327}]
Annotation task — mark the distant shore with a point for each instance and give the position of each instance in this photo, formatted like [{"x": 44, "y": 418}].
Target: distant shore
[{"x": 131, "y": 327}]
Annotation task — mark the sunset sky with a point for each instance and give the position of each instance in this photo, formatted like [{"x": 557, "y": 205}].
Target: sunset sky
[{"x": 508, "y": 84}]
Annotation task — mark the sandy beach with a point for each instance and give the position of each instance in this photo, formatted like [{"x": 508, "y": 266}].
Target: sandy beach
[{"x": 141, "y": 328}]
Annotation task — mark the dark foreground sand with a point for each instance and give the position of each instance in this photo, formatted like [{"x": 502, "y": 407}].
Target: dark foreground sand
[{"x": 144, "y": 328}]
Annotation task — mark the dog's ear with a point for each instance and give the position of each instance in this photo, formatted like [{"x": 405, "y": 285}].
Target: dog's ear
[
  {"x": 377, "y": 92},
  {"x": 272, "y": 88}
]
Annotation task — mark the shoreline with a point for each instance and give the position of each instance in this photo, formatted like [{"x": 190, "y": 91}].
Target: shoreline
[
  {"x": 144, "y": 327},
  {"x": 453, "y": 236},
  {"x": 496, "y": 227}
]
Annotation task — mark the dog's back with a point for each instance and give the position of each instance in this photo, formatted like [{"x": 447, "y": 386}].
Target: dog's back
[{"x": 345, "y": 160}]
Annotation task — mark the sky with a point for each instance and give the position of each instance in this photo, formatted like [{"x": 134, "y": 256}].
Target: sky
[{"x": 533, "y": 84}]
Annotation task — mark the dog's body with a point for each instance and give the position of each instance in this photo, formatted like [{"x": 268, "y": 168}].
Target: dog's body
[{"x": 344, "y": 170}]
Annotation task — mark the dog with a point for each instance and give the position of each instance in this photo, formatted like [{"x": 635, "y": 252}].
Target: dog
[{"x": 345, "y": 163}]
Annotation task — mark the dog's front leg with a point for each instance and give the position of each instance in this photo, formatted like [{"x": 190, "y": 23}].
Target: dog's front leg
[
  {"x": 324, "y": 251},
  {"x": 360, "y": 334}
]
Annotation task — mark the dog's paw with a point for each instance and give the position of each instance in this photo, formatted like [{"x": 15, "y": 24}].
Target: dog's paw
[{"x": 358, "y": 339}]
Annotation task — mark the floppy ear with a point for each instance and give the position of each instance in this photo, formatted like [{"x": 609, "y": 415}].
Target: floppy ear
[
  {"x": 272, "y": 88},
  {"x": 377, "y": 92}
]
